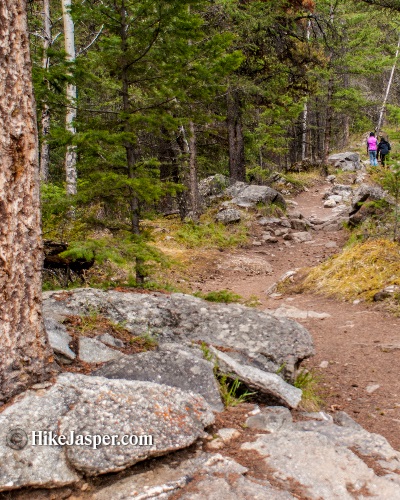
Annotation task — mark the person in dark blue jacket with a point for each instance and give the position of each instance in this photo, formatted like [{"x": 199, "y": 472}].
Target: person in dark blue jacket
[{"x": 383, "y": 150}]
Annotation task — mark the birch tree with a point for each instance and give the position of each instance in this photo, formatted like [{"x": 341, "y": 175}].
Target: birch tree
[
  {"x": 70, "y": 157},
  {"x": 45, "y": 118},
  {"x": 24, "y": 351}
]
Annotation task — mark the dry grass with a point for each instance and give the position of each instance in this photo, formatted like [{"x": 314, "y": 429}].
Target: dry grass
[{"x": 358, "y": 272}]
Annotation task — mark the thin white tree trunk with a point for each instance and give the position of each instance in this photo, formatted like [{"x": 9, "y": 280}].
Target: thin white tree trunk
[
  {"x": 70, "y": 157},
  {"x": 305, "y": 112},
  {"x": 382, "y": 110},
  {"x": 45, "y": 148}
]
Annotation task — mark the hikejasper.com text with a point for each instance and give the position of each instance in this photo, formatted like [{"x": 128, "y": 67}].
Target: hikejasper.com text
[{"x": 49, "y": 438}]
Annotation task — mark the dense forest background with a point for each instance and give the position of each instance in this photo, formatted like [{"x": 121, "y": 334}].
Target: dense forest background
[{"x": 137, "y": 101}]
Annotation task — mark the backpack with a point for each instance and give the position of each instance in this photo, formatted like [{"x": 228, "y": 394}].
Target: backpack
[{"x": 384, "y": 148}]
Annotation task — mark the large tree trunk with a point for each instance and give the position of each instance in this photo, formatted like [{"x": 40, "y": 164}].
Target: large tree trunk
[
  {"x": 237, "y": 169},
  {"x": 45, "y": 148},
  {"x": 24, "y": 351},
  {"x": 70, "y": 157}
]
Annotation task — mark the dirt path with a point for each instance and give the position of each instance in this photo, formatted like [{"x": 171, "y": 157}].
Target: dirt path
[{"x": 358, "y": 345}]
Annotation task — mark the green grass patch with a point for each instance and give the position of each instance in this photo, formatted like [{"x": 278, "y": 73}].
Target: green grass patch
[
  {"x": 225, "y": 296},
  {"x": 212, "y": 235},
  {"x": 309, "y": 382}
]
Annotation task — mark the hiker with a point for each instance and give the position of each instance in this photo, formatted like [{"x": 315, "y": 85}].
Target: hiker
[
  {"x": 372, "y": 147},
  {"x": 383, "y": 150}
]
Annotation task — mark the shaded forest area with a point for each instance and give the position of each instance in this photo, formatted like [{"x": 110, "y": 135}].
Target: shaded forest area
[{"x": 137, "y": 101}]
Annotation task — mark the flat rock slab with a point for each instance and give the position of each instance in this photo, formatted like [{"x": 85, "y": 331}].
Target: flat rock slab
[
  {"x": 318, "y": 457},
  {"x": 171, "y": 366},
  {"x": 94, "y": 351},
  {"x": 200, "y": 476},
  {"x": 264, "y": 341},
  {"x": 90, "y": 406},
  {"x": 267, "y": 383}
]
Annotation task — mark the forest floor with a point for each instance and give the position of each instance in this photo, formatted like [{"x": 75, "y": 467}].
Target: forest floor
[{"x": 358, "y": 345}]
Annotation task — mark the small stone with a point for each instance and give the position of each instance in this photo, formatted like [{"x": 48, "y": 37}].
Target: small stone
[
  {"x": 302, "y": 236},
  {"x": 257, "y": 243},
  {"x": 216, "y": 444},
  {"x": 331, "y": 244},
  {"x": 324, "y": 364},
  {"x": 329, "y": 203},
  {"x": 271, "y": 419},
  {"x": 94, "y": 351},
  {"x": 108, "y": 339},
  {"x": 228, "y": 434},
  {"x": 85, "y": 486},
  {"x": 372, "y": 388}
]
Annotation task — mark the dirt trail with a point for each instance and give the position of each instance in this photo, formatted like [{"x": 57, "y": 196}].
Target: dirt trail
[{"x": 359, "y": 343}]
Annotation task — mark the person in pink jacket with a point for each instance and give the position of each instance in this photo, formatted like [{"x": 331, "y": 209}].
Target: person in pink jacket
[{"x": 372, "y": 147}]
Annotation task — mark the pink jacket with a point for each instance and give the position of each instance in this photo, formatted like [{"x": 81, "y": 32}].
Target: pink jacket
[{"x": 372, "y": 143}]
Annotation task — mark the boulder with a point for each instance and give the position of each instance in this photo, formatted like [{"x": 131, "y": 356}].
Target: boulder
[
  {"x": 251, "y": 196},
  {"x": 366, "y": 192},
  {"x": 266, "y": 383},
  {"x": 171, "y": 365},
  {"x": 259, "y": 338},
  {"x": 228, "y": 216},
  {"x": 78, "y": 405},
  {"x": 345, "y": 161}
]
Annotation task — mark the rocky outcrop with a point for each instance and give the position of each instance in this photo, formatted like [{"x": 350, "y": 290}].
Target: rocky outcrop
[
  {"x": 345, "y": 161},
  {"x": 326, "y": 460},
  {"x": 79, "y": 405},
  {"x": 252, "y": 336},
  {"x": 196, "y": 477}
]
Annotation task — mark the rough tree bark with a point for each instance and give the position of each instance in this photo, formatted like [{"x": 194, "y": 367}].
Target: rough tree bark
[
  {"x": 237, "y": 169},
  {"x": 24, "y": 351},
  {"x": 70, "y": 157},
  {"x": 45, "y": 148}
]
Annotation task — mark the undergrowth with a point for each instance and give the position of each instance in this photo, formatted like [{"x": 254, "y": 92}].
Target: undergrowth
[
  {"x": 359, "y": 272},
  {"x": 211, "y": 235},
  {"x": 232, "y": 391}
]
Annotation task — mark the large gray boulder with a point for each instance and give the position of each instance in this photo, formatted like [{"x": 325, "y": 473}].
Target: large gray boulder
[
  {"x": 366, "y": 192},
  {"x": 80, "y": 405},
  {"x": 171, "y": 365},
  {"x": 345, "y": 161},
  {"x": 228, "y": 216},
  {"x": 252, "y": 336},
  {"x": 251, "y": 196}
]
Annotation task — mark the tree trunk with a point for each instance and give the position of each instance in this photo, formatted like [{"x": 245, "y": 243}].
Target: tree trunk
[
  {"x": 237, "y": 169},
  {"x": 193, "y": 180},
  {"x": 24, "y": 350},
  {"x": 134, "y": 202},
  {"x": 45, "y": 148},
  {"x": 70, "y": 157},
  {"x": 382, "y": 110},
  {"x": 328, "y": 122}
]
